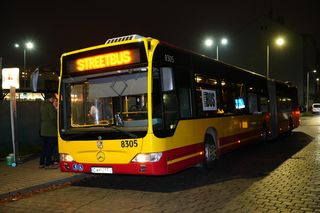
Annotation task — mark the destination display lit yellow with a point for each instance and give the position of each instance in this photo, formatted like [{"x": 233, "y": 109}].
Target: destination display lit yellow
[{"x": 107, "y": 60}]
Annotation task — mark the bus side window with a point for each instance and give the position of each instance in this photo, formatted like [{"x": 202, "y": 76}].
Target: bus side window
[
  {"x": 264, "y": 105},
  {"x": 184, "y": 98},
  {"x": 241, "y": 100},
  {"x": 169, "y": 98},
  {"x": 253, "y": 102},
  {"x": 156, "y": 100},
  {"x": 284, "y": 104},
  {"x": 207, "y": 95},
  {"x": 228, "y": 100},
  {"x": 170, "y": 110}
]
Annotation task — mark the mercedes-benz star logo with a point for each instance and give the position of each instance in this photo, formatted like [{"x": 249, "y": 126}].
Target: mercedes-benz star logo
[{"x": 101, "y": 156}]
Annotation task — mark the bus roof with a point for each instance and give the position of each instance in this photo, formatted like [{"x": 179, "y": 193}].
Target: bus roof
[
  {"x": 204, "y": 56},
  {"x": 139, "y": 38}
]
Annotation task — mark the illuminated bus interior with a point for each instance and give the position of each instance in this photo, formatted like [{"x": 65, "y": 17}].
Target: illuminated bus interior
[{"x": 114, "y": 99}]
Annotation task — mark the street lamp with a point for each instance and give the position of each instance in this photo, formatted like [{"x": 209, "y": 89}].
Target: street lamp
[
  {"x": 279, "y": 42},
  {"x": 209, "y": 42},
  {"x": 308, "y": 79},
  {"x": 27, "y": 46}
]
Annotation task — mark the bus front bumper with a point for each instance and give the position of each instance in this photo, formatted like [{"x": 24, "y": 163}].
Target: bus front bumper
[{"x": 154, "y": 168}]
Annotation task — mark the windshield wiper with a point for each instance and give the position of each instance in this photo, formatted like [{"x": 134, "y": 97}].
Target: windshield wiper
[{"x": 89, "y": 125}]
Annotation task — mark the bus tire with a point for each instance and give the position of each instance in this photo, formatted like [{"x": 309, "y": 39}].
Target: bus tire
[
  {"x": 210, "y": 151},
  {"x": 290, "y": 126}
]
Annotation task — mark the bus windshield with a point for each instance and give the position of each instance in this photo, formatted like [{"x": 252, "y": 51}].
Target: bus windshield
[{"x": 118, "y": 99}]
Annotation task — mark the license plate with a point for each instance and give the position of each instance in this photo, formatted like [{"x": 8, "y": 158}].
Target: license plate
[{"x": 101, "y": 170}]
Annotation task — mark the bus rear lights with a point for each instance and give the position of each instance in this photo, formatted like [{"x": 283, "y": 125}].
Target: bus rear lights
[
  {"x": 267, "y": 116},
  {"x": 296, "y": 112},
  {"x": 66, "y": 157},
  {"x": 147, "y": 157}
]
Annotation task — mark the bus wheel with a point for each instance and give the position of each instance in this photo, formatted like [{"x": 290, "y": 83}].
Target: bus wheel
[
  {"x": 210, "y": 151},
  {"x": 290, "y": 127}
]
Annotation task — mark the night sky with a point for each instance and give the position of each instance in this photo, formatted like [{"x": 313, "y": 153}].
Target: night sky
[{"x": 59, "y": 26}]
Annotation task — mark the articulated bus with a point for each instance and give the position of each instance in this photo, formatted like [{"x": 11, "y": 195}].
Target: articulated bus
[{"x": 137, "y": 105}]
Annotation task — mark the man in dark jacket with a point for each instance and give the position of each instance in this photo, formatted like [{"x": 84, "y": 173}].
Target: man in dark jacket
[{"x": 48, "y": 130}]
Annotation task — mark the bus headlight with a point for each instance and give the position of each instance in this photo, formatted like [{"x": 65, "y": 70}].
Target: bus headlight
[
  {"x": 147, "y": 157},
  {"x": 66, "y": 157}
]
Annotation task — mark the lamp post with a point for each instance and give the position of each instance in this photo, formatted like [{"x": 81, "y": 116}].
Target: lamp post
[
  {"x": 209, "y": 42},
  {"x": 279, "y": 42},
  {"x": 27, "y": 46},
  {"x": 308, "y": 79}
]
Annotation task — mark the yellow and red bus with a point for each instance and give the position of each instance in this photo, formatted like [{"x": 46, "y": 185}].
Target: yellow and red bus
[{"x": 137, "y": 105}]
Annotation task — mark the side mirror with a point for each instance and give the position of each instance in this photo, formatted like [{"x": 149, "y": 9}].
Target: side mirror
[{"x": 34, "y": 80}]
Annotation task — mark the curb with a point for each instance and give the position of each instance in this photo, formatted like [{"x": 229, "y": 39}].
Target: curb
[{"x": 49, "y": 186}]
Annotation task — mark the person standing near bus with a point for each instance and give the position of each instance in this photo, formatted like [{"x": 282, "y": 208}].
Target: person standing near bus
[{"x": 48, "y": 130}]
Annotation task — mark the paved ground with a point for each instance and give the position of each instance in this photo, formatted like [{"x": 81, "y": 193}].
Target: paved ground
[
  {"x": 292, "y": 186},
  {"x": 27, "y": 177}
]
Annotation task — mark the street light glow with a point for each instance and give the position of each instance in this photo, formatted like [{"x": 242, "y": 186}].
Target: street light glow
[
  {"x": 224, "y": 41},
  {"x": 280, "y": 41},
  {"x": 29, "y": 45},
  {"x": 208, "y": 42}
]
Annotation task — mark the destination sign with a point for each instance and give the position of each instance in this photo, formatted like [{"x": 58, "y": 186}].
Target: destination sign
[{"x": 106, "y": 60}]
